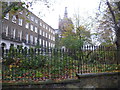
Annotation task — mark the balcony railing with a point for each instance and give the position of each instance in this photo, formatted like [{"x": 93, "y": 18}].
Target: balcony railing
[
  {"x": 4, "y": 36},
  {"x": 11, "y": 38},
  {"x": 17, "y": 39},
  {"x": 24, "y": 40}
]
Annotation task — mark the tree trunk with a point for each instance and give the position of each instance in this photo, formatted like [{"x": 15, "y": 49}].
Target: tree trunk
[
  {"x": 118, "y": 44},
  {"x": 118, "y": 38},
  {"x": 117, "y": 30}
]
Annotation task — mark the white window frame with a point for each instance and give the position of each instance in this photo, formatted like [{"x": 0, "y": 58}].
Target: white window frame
[
  {"x": 14, "y": 30},
  {"x": 43, "y": 43},
  {"x": 32, "y": 18},
  {"x": 20, "y": 21},
  {"x": 49, "y": 44},
  {"x": 43, "y": 25},
  {"x": 31, "y": 27},
  {"x": 6, "y": 30},
  {"x": 46, "y": 27},
  {"x": 7, "y": 16},
  {"x": 49, "y": 29},
  {"x": 40, "y": 32},
  {"x": 54, "y": 32},
  {"x": 40, "y": 41},
  {"x": 46, "y": 43},
  {"x": 43, "y": 33},
  {"x": 36, "y": 29},
  {"x": 14, "y": 19},
  {"x": 21, "y": 12},
  {"x": 36, "y": 40},
  {"x": 27, "y": 38},
  {"x": 53, "y": 38},
  {"x": 36, "y": 21},
  {"x": 40, "y": 23},
  {"x": 49, "y": 36},
  {"x": 53, "y": 45},
  {"x": 46, "y": 35},
  {"x": 27, "y": 25},
  {"x": 31, "y": 39},
  {"x": 8, "y": 3},
  {"x": 20, "y": 35}
]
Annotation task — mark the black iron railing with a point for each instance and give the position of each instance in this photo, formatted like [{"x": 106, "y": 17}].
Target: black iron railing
[{"x": 58, "y": 64}]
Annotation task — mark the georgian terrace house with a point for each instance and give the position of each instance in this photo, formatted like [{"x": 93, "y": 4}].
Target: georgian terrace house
[{"x": 26, "y": 30}]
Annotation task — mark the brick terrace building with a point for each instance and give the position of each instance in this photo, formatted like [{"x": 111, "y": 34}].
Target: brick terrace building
[{"x": 26, "y": 30}]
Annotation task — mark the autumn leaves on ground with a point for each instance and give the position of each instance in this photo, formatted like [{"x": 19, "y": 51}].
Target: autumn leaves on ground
[{"x": 57, "y": 65}]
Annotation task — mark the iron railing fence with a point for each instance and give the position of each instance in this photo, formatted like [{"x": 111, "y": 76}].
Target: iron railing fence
[{"x": 39, "y": 64}]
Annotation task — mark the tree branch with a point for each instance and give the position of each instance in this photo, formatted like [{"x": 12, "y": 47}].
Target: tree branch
[
  {"x": 113, "y": 15},
  {"x": 7, "y": 9}
]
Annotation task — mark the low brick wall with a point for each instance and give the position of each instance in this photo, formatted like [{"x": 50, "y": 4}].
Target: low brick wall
[{"x": 93, "y": 80}]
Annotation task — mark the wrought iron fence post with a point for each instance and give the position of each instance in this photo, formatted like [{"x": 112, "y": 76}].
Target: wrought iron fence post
[
  {"x": 118, "y": 58},
  {"x": 2, "y": 52}
]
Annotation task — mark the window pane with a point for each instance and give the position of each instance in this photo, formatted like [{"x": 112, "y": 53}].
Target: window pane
[
  {"x": 14, "y": 19},
  {"x": 27, "y": 25},
  {"x": 20, "y": 22},
  {"x": 7, "y": 16},
  {"x": 36, "y": 29},
  {"x": 31, "y": 27}
]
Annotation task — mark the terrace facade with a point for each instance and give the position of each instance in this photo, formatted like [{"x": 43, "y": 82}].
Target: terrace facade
[{"x": 27, "y": 30}]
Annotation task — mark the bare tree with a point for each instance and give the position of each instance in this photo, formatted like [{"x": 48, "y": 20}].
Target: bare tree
[{"x": 116, "y": 24}]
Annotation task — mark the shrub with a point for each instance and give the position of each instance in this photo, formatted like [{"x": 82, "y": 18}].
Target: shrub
[{"x": 33, "y": 62}]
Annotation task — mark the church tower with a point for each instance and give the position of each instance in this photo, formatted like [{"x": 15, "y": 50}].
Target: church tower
[
  {"x": 66, "y": 23},
  {"x": 65, "y": 13}
]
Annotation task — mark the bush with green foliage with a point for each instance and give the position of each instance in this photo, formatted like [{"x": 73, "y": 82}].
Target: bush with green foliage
[{"x": 24, "y": 58}]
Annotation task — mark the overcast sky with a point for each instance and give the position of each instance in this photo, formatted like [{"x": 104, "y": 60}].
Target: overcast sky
[{"x": 85, "y": 7}]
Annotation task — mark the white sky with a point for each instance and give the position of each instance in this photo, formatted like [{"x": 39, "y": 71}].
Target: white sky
[{"x": 86, "y": 8}]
